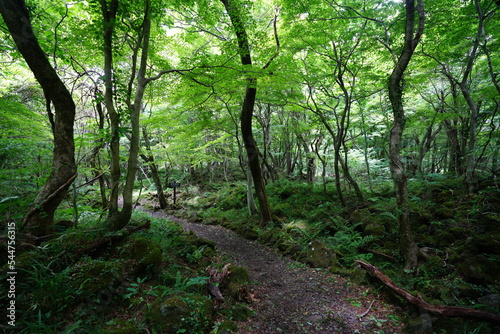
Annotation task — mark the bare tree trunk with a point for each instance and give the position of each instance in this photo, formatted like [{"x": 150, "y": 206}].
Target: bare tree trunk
[
  {"x": 395, "y": 88},
  {"x": 350, "y": 179},
  {"x": 40, "y": 217},
  {"x": 109, "y": 16},
  {"x": 424, "y": 147},
  {"x": 247, "y": 112},
  {"x": 365, "y": 150},
  {"x": 94, "y": 158}
]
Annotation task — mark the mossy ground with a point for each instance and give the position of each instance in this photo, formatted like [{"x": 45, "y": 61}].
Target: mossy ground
[
  {"x": 114, "y": 291},
  {"x": 117, "y": 289},
  {"x": 459, "y": 235}
]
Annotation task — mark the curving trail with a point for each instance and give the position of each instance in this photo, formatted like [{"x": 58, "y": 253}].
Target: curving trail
[{"x": 293, "y": 299}]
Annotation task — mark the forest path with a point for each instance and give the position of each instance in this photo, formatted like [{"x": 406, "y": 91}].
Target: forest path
[{"x": 292, "y": 298}]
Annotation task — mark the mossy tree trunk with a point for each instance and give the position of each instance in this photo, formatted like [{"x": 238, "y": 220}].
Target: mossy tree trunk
[{"x": 40, "y": 217}]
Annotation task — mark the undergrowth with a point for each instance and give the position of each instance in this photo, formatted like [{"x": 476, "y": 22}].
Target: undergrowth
[
  {"x": 115, "y": 290},
  {"x": 450, "y": 227}
]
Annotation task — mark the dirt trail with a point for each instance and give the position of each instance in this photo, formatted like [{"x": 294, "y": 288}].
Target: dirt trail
[{"x": 291, "y": 298}]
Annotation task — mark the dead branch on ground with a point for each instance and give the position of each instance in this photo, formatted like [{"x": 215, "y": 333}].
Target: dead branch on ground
[{"x": 439, "y": 310}]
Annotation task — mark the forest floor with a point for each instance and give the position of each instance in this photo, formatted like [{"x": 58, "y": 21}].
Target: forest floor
[{"x": 288, "y": 297}]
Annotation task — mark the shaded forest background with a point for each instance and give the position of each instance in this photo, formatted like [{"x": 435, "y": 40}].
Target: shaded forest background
[{"x": 372, "y": 127}]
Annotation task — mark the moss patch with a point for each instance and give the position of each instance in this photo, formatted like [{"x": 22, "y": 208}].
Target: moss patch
[{"x": 190, "y": 312}]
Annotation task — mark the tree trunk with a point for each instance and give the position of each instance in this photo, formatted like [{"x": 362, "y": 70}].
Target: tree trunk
[
  {"x": 252, "y": 152},
  {"x": 40, "y": 217},
  {"x": 365, "y": 150},
  {"x": 395, "y": 88},
  {"x": 109, "y": 16},
  {"x": 336, "y": 169},
  {"x": 94, "y": 158},
  {"x": 118, "y": 219},
  {"x": 350, "y": 179},
  {"x": 252, "y": 208},
  {"x": 149, "y": 159},
  {"x": 247, "y": 112},
  {"x": 416, "y": 162}
]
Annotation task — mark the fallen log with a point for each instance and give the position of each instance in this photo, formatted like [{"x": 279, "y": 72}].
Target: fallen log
[{"x": 438, "y": 310}]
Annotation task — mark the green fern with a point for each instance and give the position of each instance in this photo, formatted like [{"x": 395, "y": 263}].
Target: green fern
[{"x": 348, "y": 241}]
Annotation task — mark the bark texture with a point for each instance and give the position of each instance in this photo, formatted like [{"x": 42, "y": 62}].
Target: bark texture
[{"x": 40, "y": 217}]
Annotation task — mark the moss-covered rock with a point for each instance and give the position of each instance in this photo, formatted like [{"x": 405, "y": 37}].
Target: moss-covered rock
[
  {"x": 91, "y": 276},
  {"x": 270, "y": 237},
  {"x": 295, "y": 250},
  {"x": 199, "y": 242},
  {"x": 121, "y": 326},
  {"x": 318, "y": 255},
  {"x": 362, "y": 216},
  {"x": 374, "y": 229},
  {"x": 240, "y": 313},
  {"x": 227, "y": 327},
  {"x": 190, "y": 312},
  {"x": 296, "y": 228},
  {"x": 358, "y": 276},
  {"x": 147, "y": 256},
  {"x": 490, "y": 220},
  {"x": 486, "y": 243},
  {"x": 421, "y": 324},
  {"x": 477, "y": 269},
  {"x": 63, "y": 225},
  {"x": 490, "y": 303},
  {"x": 237, "y": 282},
  {"x": 247, "y": 232},
  {"x": 443, "y": 237}
]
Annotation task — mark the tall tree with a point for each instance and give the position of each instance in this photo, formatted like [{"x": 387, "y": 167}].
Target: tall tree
[
  {"x": 247, "y": 109},
  {"x": 40, "y": 217},
  {"x": 139, "y": 45},
  {"x": 395, "y": 87}
]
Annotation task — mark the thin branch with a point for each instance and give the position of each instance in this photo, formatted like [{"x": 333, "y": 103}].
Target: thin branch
[
  {"x": 276, "y": 38},
  {"x": 368, "y": 310},
  {"x": 55, "y": 35}
]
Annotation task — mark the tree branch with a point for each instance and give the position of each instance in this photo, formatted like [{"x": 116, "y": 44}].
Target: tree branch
[{"x": 276, "y": 38}]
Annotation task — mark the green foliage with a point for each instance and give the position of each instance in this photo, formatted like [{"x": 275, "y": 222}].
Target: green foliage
[
  {"x": 333, "y": 61},
  {"x": 44, "y": 296},
  {"x": 348, "y": 241},
  {"x": 24, "y": 149}
]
